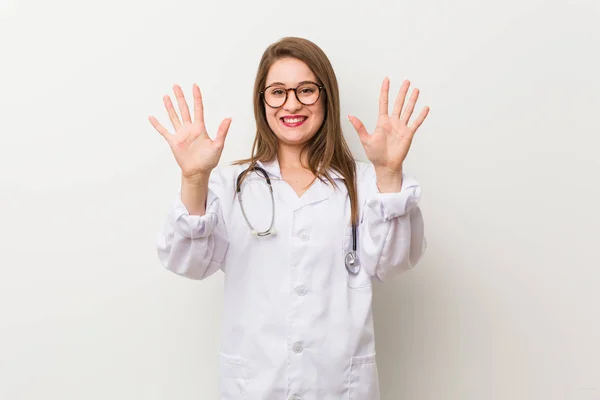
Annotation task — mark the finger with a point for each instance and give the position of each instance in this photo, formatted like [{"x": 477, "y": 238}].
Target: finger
[
  {"x": 171, "y": 111},
  {"x": 161, "y": 129},
  {"x": 410, "y": 106},
  {"x": 417, "y": 123},
  {"x": 198, "y": 106},
  {"x": 183, "y": 107},
  {"x": 359, "y": 127},
  {"x": 383, "y": 97},
  {"x": 399, "y": 103},
  {"x": 222, "y": 132}
]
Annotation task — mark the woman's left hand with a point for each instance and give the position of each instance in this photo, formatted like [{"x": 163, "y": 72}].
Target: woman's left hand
[{"x": 388, "y": 145}]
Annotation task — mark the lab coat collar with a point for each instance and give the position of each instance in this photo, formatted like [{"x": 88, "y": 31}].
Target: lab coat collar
[
  {"x": 317, "y": 192},
  {"x": 272, "y": 168}
]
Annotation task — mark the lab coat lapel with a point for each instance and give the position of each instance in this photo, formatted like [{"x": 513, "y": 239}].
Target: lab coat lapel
[
  {"x": 317, "y": 192},
  {"x": 320, "y": 190}
]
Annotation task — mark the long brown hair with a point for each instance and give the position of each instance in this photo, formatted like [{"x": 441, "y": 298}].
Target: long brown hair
[{"x": 327, "y": 149}]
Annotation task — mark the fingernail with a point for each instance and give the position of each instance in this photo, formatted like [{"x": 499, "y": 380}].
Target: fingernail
[{"x": 349, "y": 118}]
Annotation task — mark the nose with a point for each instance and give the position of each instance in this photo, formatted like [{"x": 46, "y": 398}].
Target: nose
[{"x": 292, "y": 103}]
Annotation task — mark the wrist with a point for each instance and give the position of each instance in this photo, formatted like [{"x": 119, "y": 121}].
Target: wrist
[
  {"x": 388, "y": 180},
  {"x": 199, "y": 179}
]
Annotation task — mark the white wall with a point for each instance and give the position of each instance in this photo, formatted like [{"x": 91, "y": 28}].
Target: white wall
[{"x": 505, "y": 305}]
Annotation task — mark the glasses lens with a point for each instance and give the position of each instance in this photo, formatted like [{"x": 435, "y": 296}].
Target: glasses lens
[
  {"x": 275, "y": 96},
  {"x": 308, "y": 93}
]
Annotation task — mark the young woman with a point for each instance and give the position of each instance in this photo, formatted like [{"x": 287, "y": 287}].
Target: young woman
[{"x": 300, "y": 229}]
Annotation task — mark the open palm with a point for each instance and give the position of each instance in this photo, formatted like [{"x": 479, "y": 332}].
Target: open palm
[
  {"x": 388, "y": 145},
  {"x": 195, "y": 152}
]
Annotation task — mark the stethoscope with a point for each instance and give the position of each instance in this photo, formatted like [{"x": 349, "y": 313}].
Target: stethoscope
[{"x": 351, "y": 259}]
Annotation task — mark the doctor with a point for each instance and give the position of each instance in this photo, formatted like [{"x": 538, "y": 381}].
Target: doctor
[{"x": 300, "y": 229}]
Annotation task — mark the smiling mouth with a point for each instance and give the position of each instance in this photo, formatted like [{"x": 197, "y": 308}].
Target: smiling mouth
[{"x": 294, "y": 121}]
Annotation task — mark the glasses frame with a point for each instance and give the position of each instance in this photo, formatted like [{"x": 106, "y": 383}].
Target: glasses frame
[{"x": 287, "y": 90}]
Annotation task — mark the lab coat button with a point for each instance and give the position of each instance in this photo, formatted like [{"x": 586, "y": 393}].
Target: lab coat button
[
  {"x": 304, "y": 236},
  {"x": 301, "y": 290},
  {"x": 297, "y": 347}
]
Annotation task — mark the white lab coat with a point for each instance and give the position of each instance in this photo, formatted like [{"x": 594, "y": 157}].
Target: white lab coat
[{"x": 296, "y": 325}]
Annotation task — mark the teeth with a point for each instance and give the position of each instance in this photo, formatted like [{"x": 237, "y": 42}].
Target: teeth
[{"x": 293, "y": 120}]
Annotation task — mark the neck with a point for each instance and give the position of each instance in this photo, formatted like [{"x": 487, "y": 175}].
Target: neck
[{"x": 292, "y": 157}]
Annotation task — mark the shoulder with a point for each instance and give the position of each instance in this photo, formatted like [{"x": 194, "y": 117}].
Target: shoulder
[
  {"x": 228, "y": 170},
  {"x": 225, "y": 175},
  {"x": 364, "y": 171},
  {"x": 362, "y": 166},
  {"x": 366, "y": 180}
]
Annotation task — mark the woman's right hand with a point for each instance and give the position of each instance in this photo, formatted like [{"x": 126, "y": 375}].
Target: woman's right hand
[{"x": 195, "y": 152}]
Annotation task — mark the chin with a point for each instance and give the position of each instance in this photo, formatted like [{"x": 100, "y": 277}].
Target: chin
[{"x": 294, "y": 136}]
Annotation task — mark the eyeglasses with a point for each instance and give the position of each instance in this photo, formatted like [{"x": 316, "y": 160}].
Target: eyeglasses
[{"x": 307, "y": 93}]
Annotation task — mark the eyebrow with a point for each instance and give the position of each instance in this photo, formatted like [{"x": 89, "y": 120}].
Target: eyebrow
[{"x": 283, "y": 84}]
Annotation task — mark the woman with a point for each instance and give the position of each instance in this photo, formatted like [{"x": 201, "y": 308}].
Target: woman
[{"x": 300, "y": 229}]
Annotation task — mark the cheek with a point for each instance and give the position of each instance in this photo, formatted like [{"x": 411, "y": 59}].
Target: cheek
[
  {"x": 319, "y": 114},
  {"x": 271, "y": 117}
]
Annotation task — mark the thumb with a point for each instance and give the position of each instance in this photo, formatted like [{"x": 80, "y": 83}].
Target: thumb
[
  {"x": 222, "y": 132},
  {"x": 359, "y": 127}
]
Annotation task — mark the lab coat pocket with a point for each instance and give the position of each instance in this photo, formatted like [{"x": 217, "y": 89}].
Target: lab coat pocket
[
  {"x": 232, "y": 377},
  {"x": 361, "y": 279},
  {"x": 364, "y": 379}
]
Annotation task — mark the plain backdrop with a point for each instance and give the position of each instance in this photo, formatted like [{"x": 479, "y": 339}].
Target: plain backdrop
[{"x": 504, "y": 305}]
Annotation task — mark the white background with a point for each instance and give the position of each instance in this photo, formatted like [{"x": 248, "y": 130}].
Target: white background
[{"x": 504, "y": 305}]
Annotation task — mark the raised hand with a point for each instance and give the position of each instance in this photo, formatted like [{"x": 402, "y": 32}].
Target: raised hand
[
  {"x": 195, "y": 152},
  {"x": 388, "y": 145}
]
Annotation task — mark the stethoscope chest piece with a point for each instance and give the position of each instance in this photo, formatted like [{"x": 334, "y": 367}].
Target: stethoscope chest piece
[{"x": 352, "y": 264}]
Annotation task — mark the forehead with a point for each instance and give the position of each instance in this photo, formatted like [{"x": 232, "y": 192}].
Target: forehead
[{"x": 290, "y": 72}]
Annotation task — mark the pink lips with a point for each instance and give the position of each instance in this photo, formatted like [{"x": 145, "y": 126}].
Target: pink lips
[{"x": 294, "y": 124}]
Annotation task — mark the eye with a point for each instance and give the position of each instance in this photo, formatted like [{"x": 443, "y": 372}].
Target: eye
[
  {"x": 307, "y": 90},
  {"x": 277, "y": 92}
]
